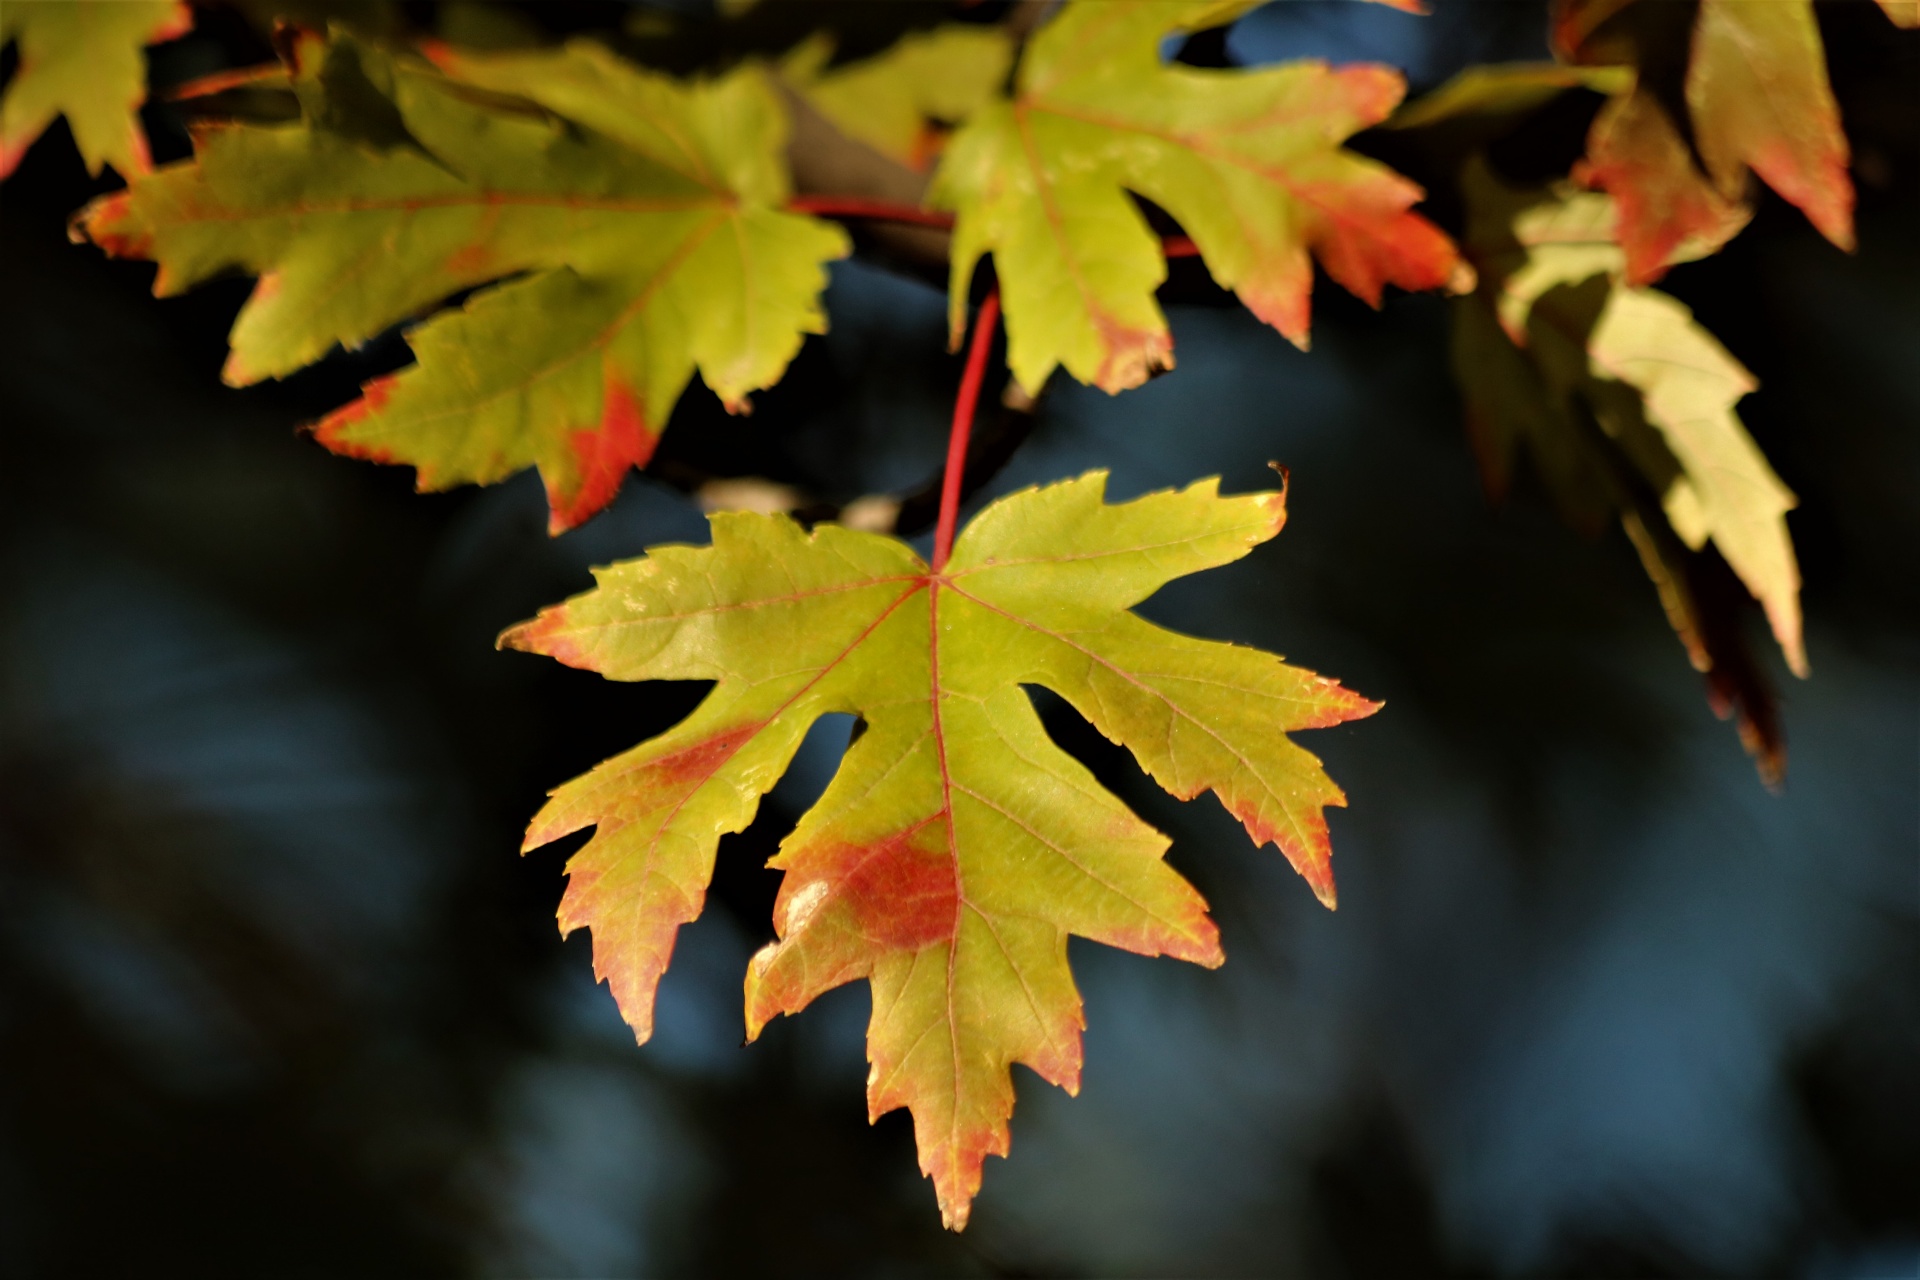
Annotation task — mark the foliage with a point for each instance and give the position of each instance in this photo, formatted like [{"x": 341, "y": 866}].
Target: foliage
[
  {"x": 619, "y": 232},
  {"x": 1756, "y": 94},
  {"x": 82, "y": 61},
  {"x": 583, "y": 235},
  {"x": 1247, "y": 162}
]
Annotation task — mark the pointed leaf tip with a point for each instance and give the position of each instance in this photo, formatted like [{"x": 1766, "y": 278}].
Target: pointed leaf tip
[{"x": 82, "y": 60}]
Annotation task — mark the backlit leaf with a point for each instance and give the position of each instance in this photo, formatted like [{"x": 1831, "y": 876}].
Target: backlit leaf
[
  {"x": 1248, "y": 162},
  {"x": 629, "y": 225},
  {"x": 1905, "y": 13},
  {"x": 889, "y": 101},
  {"x": 81, "y": 59},
  {"x": 957, "y": 847},
  {"x": 1757, "y": 99},
  {"x": 1596, "y": 369}
]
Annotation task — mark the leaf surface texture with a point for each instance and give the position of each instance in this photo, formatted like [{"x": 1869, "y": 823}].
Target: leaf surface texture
[
  {"x": 628, "y": 227},
  {"x": 1249, "y": 163},
  {"x": 957, "y": 847}
]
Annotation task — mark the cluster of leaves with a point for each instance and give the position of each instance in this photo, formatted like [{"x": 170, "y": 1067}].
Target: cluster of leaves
[
  {"x": 579, "y": 237},
  {"x": 1626, "y": 404}
]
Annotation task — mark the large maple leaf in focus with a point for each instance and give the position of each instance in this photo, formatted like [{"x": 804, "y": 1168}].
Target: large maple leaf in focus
[
  {"x": 957, "y": 847},
  {"x": 635, "y": 222},
  {"x": 1248, "y": 162},
  {"x": 81, "y": 59},
  {"x": 1756, "y": 97}
]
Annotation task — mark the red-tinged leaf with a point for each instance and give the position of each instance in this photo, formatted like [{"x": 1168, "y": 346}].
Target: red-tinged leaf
[
  {"x": 957, "y": 847},
  {"x": 1668, "y": 210},
  {"x": 81, "y": 59},
  {"x": 1758, "y": 100},
  {"x": 1757, "y": 87},
  {"x": 635, "y": 223},
  {"x": 1248, "y": 162}
]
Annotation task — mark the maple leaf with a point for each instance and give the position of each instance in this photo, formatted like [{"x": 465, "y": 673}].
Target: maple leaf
[
  {"x": 1625, "y": 403},
  {"x": 634, "y": 221},
  {"x": 957, "y": 847},
  {"x": 81, "y": 59},
  {"x": 1904, "y": 13},
  {"x": 1757, "y": 98},
  {"x": 1248, "y": 162},
  {"x": 889, "y": 101}
]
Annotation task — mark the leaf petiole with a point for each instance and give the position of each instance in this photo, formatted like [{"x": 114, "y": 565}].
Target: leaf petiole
[{"x": 964, "y": 405}]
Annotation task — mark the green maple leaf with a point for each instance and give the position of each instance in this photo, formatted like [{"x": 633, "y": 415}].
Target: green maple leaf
[
  {"x": 889, "y": 101},
  {"x": 81, "y": 59},
  {"x": 1757, "y": 99},
  {"x": 1248, "y": 162},
  {"x": 957, "y": 847},
  {"x": 636, "y": 223}
]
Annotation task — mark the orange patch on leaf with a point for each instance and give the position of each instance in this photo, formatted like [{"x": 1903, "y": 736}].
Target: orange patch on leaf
[
  {"x": 1309, "y": 852},
  {"x": 104, "y": 222},
  {"x": 634, "y": 900},
  {"x": 1814, "y": 179},
  {"x": 1636, "y": 155},
  {"x": 898, "y": 893},
  {"x": 842, "y": 907},
  {"x": 332, "y": 430},
  {"x": 178, "y": 22},
  {"x": 621, "y": 440},
  {"x": 12, "y": 151},
  {"x": 467, "y": 261},
  {"x": 1368, "y": 252},
  {"x": 1132, "y": 355}
]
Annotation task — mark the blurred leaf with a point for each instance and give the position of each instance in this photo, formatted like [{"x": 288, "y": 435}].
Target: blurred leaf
[
  {"x": 1623, "y": 400},
  {"x": 1904, "y": 13},
  {"x": 890, "y": 101},
  {"x": 1509, "y": 88},
  {"x": 1757, "y": 97},
  {"x": 957, "y": 847},
  {"x": 1248, "y": 162},
  {"x": 639, "y": 238},
  {"x": 82, "y": 59}
]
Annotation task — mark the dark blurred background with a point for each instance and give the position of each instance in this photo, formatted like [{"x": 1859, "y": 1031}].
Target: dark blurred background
[{"x": 278, "y": 996}]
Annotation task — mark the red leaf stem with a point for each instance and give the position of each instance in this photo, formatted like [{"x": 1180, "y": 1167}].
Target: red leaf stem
[
  {"x": 963, "y": 408},
  {"x": 879, "y": 210}
]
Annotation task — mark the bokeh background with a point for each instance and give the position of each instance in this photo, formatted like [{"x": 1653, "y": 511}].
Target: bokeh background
[{"x": 279, "y": 997}]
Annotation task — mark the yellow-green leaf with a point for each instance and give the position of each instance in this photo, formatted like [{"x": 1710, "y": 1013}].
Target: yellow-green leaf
[
  {"x": 81, "y": 59},
  {"x": 957, "y": 847},
  {"x": 1904, "y": 13},
  {"x": 1634, "y": 363},
  {"x": 889, "y": 101},
  {"x": 634, "y": 221},
  {"x": 1248, "y": 162}
]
